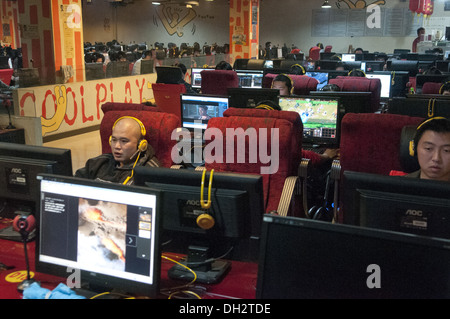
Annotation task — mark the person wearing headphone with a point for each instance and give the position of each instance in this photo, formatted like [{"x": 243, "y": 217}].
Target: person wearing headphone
[
  {"x": 146, "y": 55},
  {"x": 129, "y": 149},
  {"x": 283, "y": 83},
  {"x": 431, "y": 147},
  {"x": 445, "y": 89}
]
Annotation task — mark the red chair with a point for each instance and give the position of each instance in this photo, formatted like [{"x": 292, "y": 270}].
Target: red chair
[
  {"x": 303, "y": 84},
  {"x": 370, "y": 143},
  {"x": 278, "y": 185},
  {"x": 314, "y": 54},
  {"x": 5, "y": 75},
  {"x": 431, "y": 88},
  {"x": 328, "y": 48},
  {"x": 167, "y": 97},
  {"x": 216, "y": 82},
  {"x": 159, "y": 127},
  {"x": 360, "y": 84}
]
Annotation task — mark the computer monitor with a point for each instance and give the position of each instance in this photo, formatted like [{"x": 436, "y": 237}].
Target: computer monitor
[
  {"x": 94, "y": 71},
  {"x": 347, "y": 57},
  {"x": 197, "y": 109},
  {"x": 436, "y": 78},
  {"x": 351, "y": 65},
  {"x": 351, "y": 102},
  {"x": 235, "y": 215},
  {"x": 4, "y": 62},
  {"x": 386, "y": 83},
  {"x": 322, "y": 77},
  {"x": 328, "y": 64},
  {"x": 250, "y": 78},
  {"x": 250, "y": 97},
  {"x": 397, "y": 203},
  {"x": 322, "y": 260},
  {"x": 169, "y": 75},
  {"x": 147, "y": 66},
  {"x": 374, "y": 66},
  {"x": 116, "y": 69},
  {"x": 107, "y": 231},
  {"x": 196, "y": 77},
  {"x": 446, "y": 54},
  {"x": 321, "y": 117},
  {"x": 20, "y": 164},
  {"x": 255, "y": 64}
]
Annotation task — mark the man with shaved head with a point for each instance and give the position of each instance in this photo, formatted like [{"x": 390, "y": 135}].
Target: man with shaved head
[{"x": 128, "y": 150}]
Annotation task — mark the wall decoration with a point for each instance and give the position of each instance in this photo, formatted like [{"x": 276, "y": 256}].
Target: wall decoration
[
  {"x": 175, "y": 18},
  {"x": 359, "y": 4}
]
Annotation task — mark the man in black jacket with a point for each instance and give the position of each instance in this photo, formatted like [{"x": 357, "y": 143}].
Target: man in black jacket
[{"x": 129, "y": 149}]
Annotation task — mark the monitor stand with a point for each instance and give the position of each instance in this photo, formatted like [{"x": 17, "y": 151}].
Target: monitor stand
[{"x": 208, "y": 271}]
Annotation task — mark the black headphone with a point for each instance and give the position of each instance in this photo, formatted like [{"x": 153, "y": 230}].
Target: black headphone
[{"x": 324, "y": 212}]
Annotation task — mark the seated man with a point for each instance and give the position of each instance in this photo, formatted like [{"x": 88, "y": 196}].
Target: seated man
[
  {"x": 445, "y": 88},
  {"x": 129, "y": 149},
  {"x": 432, "y": 147}
]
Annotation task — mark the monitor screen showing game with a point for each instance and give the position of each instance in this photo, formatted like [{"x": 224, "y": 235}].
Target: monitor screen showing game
[
  {"x": 108, "y": 231},
  {"x": 197, "y": 109},
  {"x": 250, "y": 78},
  {"x": 320, "y": 117}
]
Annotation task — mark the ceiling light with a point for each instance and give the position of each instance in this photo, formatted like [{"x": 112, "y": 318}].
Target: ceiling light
[
  {"x": 326, "y": 4},
  {"x": 156, "y": 3}
]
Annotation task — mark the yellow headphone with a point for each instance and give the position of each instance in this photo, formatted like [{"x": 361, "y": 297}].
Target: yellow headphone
[
  {"x": 142, "y": 144},
  {"x": 300, "y": 66},
  {"x": 291, "y": 91},
  {"x": 442, "y": 86},
  {"x": 412, "y": 144},
  {"x": 266, "y": 107},
  {"x": 356, "y": 70}
]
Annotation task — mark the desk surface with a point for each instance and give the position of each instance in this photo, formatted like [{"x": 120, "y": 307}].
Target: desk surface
[{"x": 239, "y": 283}]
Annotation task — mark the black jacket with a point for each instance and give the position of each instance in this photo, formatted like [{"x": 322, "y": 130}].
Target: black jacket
[{"x": 105, "y": 168}]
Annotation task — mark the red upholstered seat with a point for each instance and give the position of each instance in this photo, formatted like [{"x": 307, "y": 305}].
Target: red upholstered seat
[
  {"x": 217, "y": 82},
  {"x": 431, "y": 88},
  {"x": 159, "y": 127},
  {"x": 290, "y": 130},
  {"x": 5, "y": 75},
  {"x": 167, "y": 97},
  {"x": 371, "y": 142},
  {"x": 314, "y": 53},
  {"x": 328, "y": 48},
  {"x": 303, "y": 84},
  {"x": 360, "y": 84}
]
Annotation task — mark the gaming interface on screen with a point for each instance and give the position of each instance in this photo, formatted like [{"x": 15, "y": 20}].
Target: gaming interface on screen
[{"x": 319, "y": 117}]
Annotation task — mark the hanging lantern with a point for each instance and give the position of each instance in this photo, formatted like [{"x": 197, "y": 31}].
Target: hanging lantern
[
  {"x": 428, "y": 8},
  {"x": 413, "y": 5}
]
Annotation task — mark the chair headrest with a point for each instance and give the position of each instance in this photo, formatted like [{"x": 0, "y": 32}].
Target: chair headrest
[{"x": 409, "y": 163}]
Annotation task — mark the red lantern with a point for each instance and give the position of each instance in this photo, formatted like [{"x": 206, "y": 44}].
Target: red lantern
[{"x": 413, "y": 5}]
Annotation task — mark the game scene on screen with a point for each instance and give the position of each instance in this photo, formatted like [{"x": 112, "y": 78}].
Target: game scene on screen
[
  {"x": 101, "y": 234},
  {"x": 318, "y": 117}
]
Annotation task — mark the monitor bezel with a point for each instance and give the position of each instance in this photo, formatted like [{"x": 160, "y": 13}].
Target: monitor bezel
[
  {"x": 204, "y": 122},
  {"x": 99, "y": 280},
  {"x": 340, "y": 113}
]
